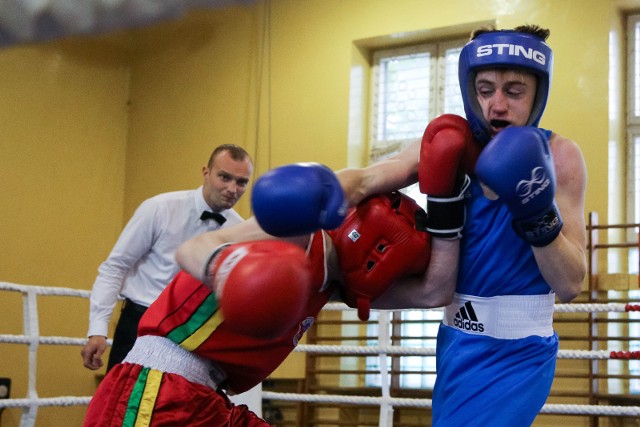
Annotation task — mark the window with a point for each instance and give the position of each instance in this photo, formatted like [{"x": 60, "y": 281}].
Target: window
[
  {"x": 410, "y": 87},
  {"x": 633, "y": 124}
]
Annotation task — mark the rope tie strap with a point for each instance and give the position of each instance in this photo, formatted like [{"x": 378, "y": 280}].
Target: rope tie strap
[
  {"x": 632, "y": 307},
  {"x": 625, "y": 355}
]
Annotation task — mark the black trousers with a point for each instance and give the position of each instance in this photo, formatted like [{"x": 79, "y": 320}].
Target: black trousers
[{"x": 125, "y": 333}]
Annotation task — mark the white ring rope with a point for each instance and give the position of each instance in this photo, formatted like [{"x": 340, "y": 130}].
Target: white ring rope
[
  {"x": 386, "y": 402},
  {"x": 558, "y": 308},
  {"x": 44, "y": 290},
  {"x": 551, "y": 408},
  {"x": 410, "y": 351},
  {"x": 335, "y": 306},
  {"x": 45, "y": 401},
  {"x": 350, "y": 400},
  {"x": 23, "y": 339},
  {"x": 591, "y": 308}
]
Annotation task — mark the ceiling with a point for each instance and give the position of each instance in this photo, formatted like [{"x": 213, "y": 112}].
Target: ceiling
[{"x": 32, "y": 21}]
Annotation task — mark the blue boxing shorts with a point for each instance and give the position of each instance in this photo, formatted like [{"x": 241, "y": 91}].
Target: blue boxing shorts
[{"x": 487, "y": 381}]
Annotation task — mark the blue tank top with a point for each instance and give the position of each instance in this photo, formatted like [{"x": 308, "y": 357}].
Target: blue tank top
[{"x": 494, "y": 260}]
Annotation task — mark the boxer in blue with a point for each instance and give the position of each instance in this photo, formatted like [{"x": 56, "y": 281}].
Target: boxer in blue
[{"x": 523, "y": 242}]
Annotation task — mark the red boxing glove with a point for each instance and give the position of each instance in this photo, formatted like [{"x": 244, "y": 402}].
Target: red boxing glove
[
  {"x": 262, "y": 287},
  {"x": 448, "y": 153},
  {"x": 448, "y": 147},
  {"x": 378, "y": 244}
]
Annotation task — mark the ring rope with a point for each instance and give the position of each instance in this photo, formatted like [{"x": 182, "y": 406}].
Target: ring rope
[
  {"x": 550, "y": 408},
  {"x": 32, "y": 338},
  {"x": 626, "y": 411},
  {"x": 558, "y": 308},
  {"x": 348, "y": 350},
  {"x": 45, "y": 401},
  {"x": 44, "y": 290},
  {"x": 23, "y": 339},
  {"x": 410, "y": 351},
  {"x": 351, "y": 350}
]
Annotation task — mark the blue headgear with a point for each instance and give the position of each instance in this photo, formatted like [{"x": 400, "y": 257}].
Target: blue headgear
[{"x": 503, "y": 49}]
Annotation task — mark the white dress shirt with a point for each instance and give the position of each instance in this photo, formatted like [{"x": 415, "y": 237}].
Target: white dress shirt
[{"x": 142, "y": 262}]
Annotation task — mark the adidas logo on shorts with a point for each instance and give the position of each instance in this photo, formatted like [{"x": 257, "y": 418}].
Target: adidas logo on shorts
[{"x": 466, "y": 319}]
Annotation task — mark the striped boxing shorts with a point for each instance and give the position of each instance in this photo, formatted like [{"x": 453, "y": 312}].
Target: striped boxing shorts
[{"x": 161, "y": 384}]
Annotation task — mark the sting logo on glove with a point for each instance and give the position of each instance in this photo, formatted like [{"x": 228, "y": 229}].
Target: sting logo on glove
[
  {"x": 540, "y": 227},
  {"x": 530, "y": 189}
]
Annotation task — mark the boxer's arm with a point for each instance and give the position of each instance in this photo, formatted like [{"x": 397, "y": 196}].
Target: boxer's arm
[
  {"x": 434, "y": 288},
  {"x": 563, "y": 261},
  {"x": 194, "y": 253},
  {"x": 381, "y": 177}
]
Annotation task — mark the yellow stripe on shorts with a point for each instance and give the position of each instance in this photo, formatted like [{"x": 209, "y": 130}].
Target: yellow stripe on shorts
[
  {"x": 203, "y": 332},
  {"x": 148, "y": 399}
]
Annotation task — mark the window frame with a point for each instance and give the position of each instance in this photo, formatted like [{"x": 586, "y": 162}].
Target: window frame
[{"x": 633, "y": 126}]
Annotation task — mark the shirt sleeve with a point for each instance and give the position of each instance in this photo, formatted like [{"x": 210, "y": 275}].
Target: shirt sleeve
[{"x": 134, "y": 242}]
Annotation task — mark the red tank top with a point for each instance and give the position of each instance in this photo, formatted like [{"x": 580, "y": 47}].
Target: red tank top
[{"x": 187, "y": 313}]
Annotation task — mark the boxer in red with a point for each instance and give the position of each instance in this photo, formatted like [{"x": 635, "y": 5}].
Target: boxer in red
[{"x": 245, "y": 297}]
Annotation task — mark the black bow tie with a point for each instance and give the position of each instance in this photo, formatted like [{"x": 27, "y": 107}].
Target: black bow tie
[{"x": 213, "y": 215}]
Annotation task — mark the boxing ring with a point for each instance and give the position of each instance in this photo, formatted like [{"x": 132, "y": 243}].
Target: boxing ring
[{"x": 32, "y": 338}]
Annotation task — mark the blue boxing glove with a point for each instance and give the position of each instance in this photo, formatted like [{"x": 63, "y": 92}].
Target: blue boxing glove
[
  {"x": 298, "y": 199},
  {"x": 517, "y": 165}
]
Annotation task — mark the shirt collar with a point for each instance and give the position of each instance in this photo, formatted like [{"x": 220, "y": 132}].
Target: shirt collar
[{"x": 201, "y": 204}]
